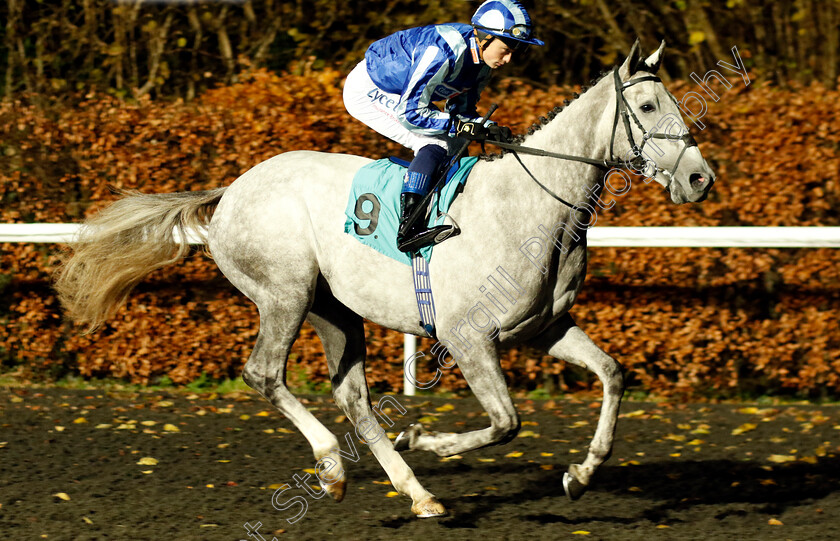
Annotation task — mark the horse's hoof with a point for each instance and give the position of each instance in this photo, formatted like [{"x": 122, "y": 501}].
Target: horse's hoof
[
  {"x": 404, "y": 440},
  {"x": 335, "y": 490},
  {"x": 429, "y": 508},
  {"x": 402, "y": 443},
  {"x": 574, "y": 488}
]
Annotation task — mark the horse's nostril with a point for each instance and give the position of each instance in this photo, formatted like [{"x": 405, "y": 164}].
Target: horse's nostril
[{"x": 698, "y": 181}]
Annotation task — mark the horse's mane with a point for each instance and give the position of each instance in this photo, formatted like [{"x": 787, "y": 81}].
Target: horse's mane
[{"x": 545, "y": 119}]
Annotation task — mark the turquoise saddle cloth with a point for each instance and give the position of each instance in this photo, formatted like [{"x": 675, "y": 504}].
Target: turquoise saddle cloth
[{"x": 373, "y": 209}]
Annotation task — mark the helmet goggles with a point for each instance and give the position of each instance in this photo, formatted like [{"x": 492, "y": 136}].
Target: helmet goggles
[{"x": 518, "y": 36}]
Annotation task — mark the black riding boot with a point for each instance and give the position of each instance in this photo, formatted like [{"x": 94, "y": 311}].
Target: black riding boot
[{"x": 413, "y": 237}]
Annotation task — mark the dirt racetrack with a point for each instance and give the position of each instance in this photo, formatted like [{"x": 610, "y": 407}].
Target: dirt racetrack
[{"x": 208, "y": 465}]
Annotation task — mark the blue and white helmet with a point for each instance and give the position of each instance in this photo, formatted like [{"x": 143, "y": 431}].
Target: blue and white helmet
[{"x": 505, "y": 19}]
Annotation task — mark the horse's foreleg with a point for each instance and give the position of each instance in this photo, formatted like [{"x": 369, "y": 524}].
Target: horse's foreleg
[
  {"x": 484, "y": 375},
  {"x": 343, "y": 336},
  {"x": 568, "y": 342}
]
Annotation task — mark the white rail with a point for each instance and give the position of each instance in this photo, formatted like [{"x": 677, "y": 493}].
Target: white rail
[
  {"x": 627, "y": 237},
  {"x": 635, "y": 237}
]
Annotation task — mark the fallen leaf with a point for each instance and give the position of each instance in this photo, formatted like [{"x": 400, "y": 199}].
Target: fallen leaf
[
  {"x": 746, "y": 427},
  {"x": 445, "y": 407},
  {"x": 262, "y": 414},
  {"x": 427, "y": 419},
  {"x": 171, "y": 428},
  {"x": 779, "y": 459},
  {"x": 775, "y": 522},
  {"x": 148, "y": 423},
  {"x": 528, "y": 434},
  {"x": 514, "y": 454},
  {"x": 487, "y": 460},
  {"x": 580, "y": 532},
  {"x": 79, "y": 420},
  {"x": 87, "y": 520},
  {"x": 147, "y": 461},
  {"x": 392, "y": 494},
  {"x": 62, "y": 496}
]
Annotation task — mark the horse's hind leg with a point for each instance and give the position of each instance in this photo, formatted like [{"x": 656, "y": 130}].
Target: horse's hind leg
[
  {"x": 281, "y": 317},
  {"x": 568, "y": 342},
  {"x": 343, "y": 336}
]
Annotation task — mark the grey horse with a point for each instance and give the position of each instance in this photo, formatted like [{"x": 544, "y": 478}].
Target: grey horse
[{"x": 277, "y": 234}]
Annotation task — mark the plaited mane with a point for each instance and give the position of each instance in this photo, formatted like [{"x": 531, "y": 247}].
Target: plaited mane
[{"x": 544, "y": 120}]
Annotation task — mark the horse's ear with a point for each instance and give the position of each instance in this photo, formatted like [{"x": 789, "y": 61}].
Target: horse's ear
[
  {"x": 652, "y": 63},
  {"x": 631, "y": 63}
]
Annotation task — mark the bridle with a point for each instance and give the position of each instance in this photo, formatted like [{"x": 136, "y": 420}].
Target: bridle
[{"x": 623, "y": 110}]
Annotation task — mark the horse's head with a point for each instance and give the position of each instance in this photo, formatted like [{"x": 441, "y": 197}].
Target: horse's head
[{"x": 648, "y": 132}]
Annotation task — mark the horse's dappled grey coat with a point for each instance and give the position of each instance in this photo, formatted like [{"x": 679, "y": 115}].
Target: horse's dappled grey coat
[{"x": 277, "y": 235}]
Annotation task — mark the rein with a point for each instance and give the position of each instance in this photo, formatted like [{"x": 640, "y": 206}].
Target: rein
[{"x": 623, "y": 110}]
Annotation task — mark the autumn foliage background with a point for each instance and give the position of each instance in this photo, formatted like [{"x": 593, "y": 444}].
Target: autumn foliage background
[{"x": 696, "y": 322}]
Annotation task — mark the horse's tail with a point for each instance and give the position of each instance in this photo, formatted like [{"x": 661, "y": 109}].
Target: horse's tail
[{"x": 119, "y": 246}]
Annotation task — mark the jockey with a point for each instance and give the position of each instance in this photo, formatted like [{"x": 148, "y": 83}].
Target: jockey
[{"x": 393, "y": 90}]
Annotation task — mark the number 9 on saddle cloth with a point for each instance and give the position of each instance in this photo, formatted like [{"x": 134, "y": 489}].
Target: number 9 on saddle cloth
[{"x": 373, "y": 208}]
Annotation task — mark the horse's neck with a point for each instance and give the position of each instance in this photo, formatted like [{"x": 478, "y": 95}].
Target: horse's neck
[{"x": 576, "y": 131}]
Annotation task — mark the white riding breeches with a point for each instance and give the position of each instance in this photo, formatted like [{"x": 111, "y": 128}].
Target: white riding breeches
[{"x": 377, "y": 109}]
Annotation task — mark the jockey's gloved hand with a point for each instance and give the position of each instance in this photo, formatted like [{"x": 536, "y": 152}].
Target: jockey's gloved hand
[
  {"x": 498, "y": 133},
  {"x": 470, "y": 129}
]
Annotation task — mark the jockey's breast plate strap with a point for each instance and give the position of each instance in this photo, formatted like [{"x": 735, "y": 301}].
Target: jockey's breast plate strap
[{"x": 423, "y": 292}]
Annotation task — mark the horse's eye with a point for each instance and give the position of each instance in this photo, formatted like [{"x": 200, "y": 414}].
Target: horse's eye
[{"x": 648, "y": 107}]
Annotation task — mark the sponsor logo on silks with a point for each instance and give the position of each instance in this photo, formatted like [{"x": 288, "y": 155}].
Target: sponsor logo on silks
[
  {"x": 474, "y": 50},
  {"x": 445, "y": 91},
  {"x": 380, "y": 97}
]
